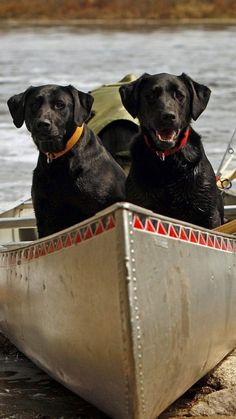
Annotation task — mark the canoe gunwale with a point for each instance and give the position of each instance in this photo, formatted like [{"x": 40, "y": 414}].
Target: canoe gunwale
[{"x": 134, "y": 209}]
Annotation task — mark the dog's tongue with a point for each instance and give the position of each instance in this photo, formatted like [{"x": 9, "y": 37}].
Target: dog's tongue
[{"x": 168, "y": 135}]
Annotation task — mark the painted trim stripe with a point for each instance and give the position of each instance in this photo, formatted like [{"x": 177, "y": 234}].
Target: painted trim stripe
[
  {"x": 186, "y": 234},
  {"x": 63, "y": 241}
]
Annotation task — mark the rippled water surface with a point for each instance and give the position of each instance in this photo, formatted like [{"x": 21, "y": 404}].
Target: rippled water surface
[{"x": 89, "y": 57}]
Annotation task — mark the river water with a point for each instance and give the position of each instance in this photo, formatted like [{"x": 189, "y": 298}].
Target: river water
[{"x": 86, "y": 58}]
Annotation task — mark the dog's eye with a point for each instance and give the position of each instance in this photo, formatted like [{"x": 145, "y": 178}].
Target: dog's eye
[
  {"x": 35, "y": 106},
  {"x": 59, "y": 104},
  {"x": 179, "y": 95}
]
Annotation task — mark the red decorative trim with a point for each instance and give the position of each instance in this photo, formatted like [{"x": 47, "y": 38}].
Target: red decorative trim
[
  {"x": 224, "y": 244},
  {"x": 43, "y": 250},
  {"x": 161, "y": 229},
  {"x": 99, "y": 229},
  {"x": 173, "y": 232},
  {"x": 229, "y": 246},
  {"x": 88, "y": 233},
  {"x": 202, "y": 240},
  {"x": 186, "y": 234},
  {"x": 210, "y": 242},
  {"x": 137, "y": 223},
  {"x": 78, "y": 238},
  {"x": 50, "y": 248},
  {"x": 149, "y": 226},
  {"x": 218, "y": 243},
  {"x": 110, "y": 222},
  {"x": 58, "y": 243},
  {"x": 183, "y": 234},
  {"x": 68, "y": 241},
  {"x": 36, "y": 252},
  {"x": 193, "y": 237}
]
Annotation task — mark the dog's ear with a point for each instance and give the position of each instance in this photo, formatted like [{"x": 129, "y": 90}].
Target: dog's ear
[
  {"x": 200, "y": 95},
  {"x": 83, "y": 103},
  {"x": 16, "y": 105},
  {"x": 129, "y": 93}
]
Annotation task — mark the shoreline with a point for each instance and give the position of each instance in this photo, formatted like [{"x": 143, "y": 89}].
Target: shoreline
[{"x": 117, "y": 23}]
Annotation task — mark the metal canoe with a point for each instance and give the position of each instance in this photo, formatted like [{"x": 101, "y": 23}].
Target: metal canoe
[{"x": 127, "y": 309}]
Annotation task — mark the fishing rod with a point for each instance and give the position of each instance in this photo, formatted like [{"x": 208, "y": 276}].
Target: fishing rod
[{"x": 229, "y": 152}]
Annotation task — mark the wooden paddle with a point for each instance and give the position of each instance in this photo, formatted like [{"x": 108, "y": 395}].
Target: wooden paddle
[{"x": 227, "y": 228}]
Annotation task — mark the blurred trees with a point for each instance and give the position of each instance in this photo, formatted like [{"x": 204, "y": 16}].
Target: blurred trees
[{"x": 105, "y": 9}]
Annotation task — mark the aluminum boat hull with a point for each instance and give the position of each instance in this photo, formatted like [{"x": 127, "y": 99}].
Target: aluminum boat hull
[{"x": 127, "y": 309}]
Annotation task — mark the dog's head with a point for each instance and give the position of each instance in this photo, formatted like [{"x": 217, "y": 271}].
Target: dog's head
[
  {"x": 164, "y": 105},
  {"x": 51, "y": 114}
]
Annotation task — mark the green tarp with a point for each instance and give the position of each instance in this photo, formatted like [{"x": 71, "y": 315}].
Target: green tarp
[{"x": 107, "y": 105}]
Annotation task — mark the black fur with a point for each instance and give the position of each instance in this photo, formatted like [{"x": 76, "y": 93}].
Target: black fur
[
  {"x": 117, "y": 137},
  {"x": 83, "y": 181},
  {"x": 183, "y": 185}
]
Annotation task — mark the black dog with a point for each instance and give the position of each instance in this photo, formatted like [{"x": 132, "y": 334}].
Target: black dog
[
  {"x": 75, "y": 176},
  {"x": 170, "y": 173}
]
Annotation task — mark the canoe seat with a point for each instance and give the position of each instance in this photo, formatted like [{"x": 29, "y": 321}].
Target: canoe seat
[
  {"x": 17, "y": 222},
  {"x": 17, "y": 230}
]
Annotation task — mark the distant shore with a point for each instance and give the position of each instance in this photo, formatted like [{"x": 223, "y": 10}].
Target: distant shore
[
  {"x": 106, "y": 12},
  {"x": 111, "y": 23}
]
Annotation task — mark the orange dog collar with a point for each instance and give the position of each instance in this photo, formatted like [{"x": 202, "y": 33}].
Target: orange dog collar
[{"x": 70, "y": 143}]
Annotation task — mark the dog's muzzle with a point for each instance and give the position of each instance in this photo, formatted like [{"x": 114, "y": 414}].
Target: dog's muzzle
[{"x": 49, "y": 145}]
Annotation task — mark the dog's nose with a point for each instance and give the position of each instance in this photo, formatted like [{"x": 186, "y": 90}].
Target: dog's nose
[
  {"x": 43, "y": 124},
  {"x": 168, "y": 116}
]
